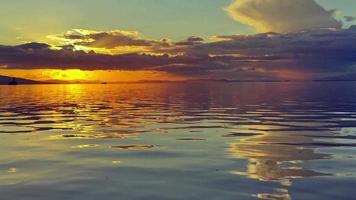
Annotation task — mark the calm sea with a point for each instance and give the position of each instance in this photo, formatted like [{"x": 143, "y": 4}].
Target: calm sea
[{"x": 184, "y": 141}]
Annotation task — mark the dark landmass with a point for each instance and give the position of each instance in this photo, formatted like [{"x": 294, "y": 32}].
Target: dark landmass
[
  {"x": 5, "y": 80},
  {"x": 346, "y": 77}
]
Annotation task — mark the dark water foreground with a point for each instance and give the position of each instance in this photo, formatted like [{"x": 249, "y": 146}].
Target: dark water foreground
[{"x": 194, "y": 141}]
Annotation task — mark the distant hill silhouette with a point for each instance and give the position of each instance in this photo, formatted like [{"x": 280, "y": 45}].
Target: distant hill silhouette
[
  {"x": 4, "y": 80},
  {"x": 347, "y": 77}
]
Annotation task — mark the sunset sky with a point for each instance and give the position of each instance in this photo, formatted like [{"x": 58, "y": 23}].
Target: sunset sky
[{"x": 130, "y": 40}]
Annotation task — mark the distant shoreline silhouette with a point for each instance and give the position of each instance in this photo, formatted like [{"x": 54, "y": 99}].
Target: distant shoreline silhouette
[{"x": 13, "y": 82}]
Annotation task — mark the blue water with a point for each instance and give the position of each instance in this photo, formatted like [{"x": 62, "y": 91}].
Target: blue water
[{"x": 200, "y": 140}]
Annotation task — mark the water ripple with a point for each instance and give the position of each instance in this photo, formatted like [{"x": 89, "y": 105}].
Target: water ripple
[{"x": 258, "y": 137}]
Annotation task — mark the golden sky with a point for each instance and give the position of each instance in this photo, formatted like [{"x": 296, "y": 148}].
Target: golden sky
[{"x": 94, "y": 75}]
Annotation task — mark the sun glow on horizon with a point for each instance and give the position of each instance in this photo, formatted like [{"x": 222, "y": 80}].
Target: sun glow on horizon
[
  {"x": 69, "y": 75},
  {"x": 90, "y": 75}
]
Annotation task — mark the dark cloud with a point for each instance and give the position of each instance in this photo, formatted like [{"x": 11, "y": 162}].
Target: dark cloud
[
  {"x": 330, "y": 44},
  {"x": 304, "y": 54},
  {"x": 33, "y": 46},
  {"x": 18, "y": 57},
  {"x": 190, "y": 41},
  {"x": 301, "y": 55}
]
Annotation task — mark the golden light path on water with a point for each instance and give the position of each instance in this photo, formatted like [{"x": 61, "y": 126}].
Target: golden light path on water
[{"x": 197, "y": 140}]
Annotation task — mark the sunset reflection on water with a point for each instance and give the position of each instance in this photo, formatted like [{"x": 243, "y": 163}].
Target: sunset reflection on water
[
  {"x": 197, "y": 140},
  {"x": 269, "y": 159}
]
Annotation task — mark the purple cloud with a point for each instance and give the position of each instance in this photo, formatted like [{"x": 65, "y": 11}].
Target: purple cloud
[{"x": 317, "y": 53}]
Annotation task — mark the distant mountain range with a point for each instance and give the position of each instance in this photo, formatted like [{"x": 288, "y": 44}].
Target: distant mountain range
[
  {"x": 4, "y": 80},
  {"x": 347, "y": 77}
]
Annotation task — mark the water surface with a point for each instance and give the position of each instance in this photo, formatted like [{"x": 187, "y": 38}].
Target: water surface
[{"x": 277, "y": 141}]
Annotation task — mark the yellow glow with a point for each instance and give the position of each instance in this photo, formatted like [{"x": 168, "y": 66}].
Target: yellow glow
[
  {"x": 59, "y": 40},
  {"x": 69, "y": 75},
  {"x": 94, "y": 75},
  {"x": 267, "y": 155},
  {"x": 242, "y": 18},
  {"x": 114, "y": 51}
]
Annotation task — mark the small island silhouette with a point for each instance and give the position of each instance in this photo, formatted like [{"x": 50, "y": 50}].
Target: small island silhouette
[{"x": 13, "y": 82}]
